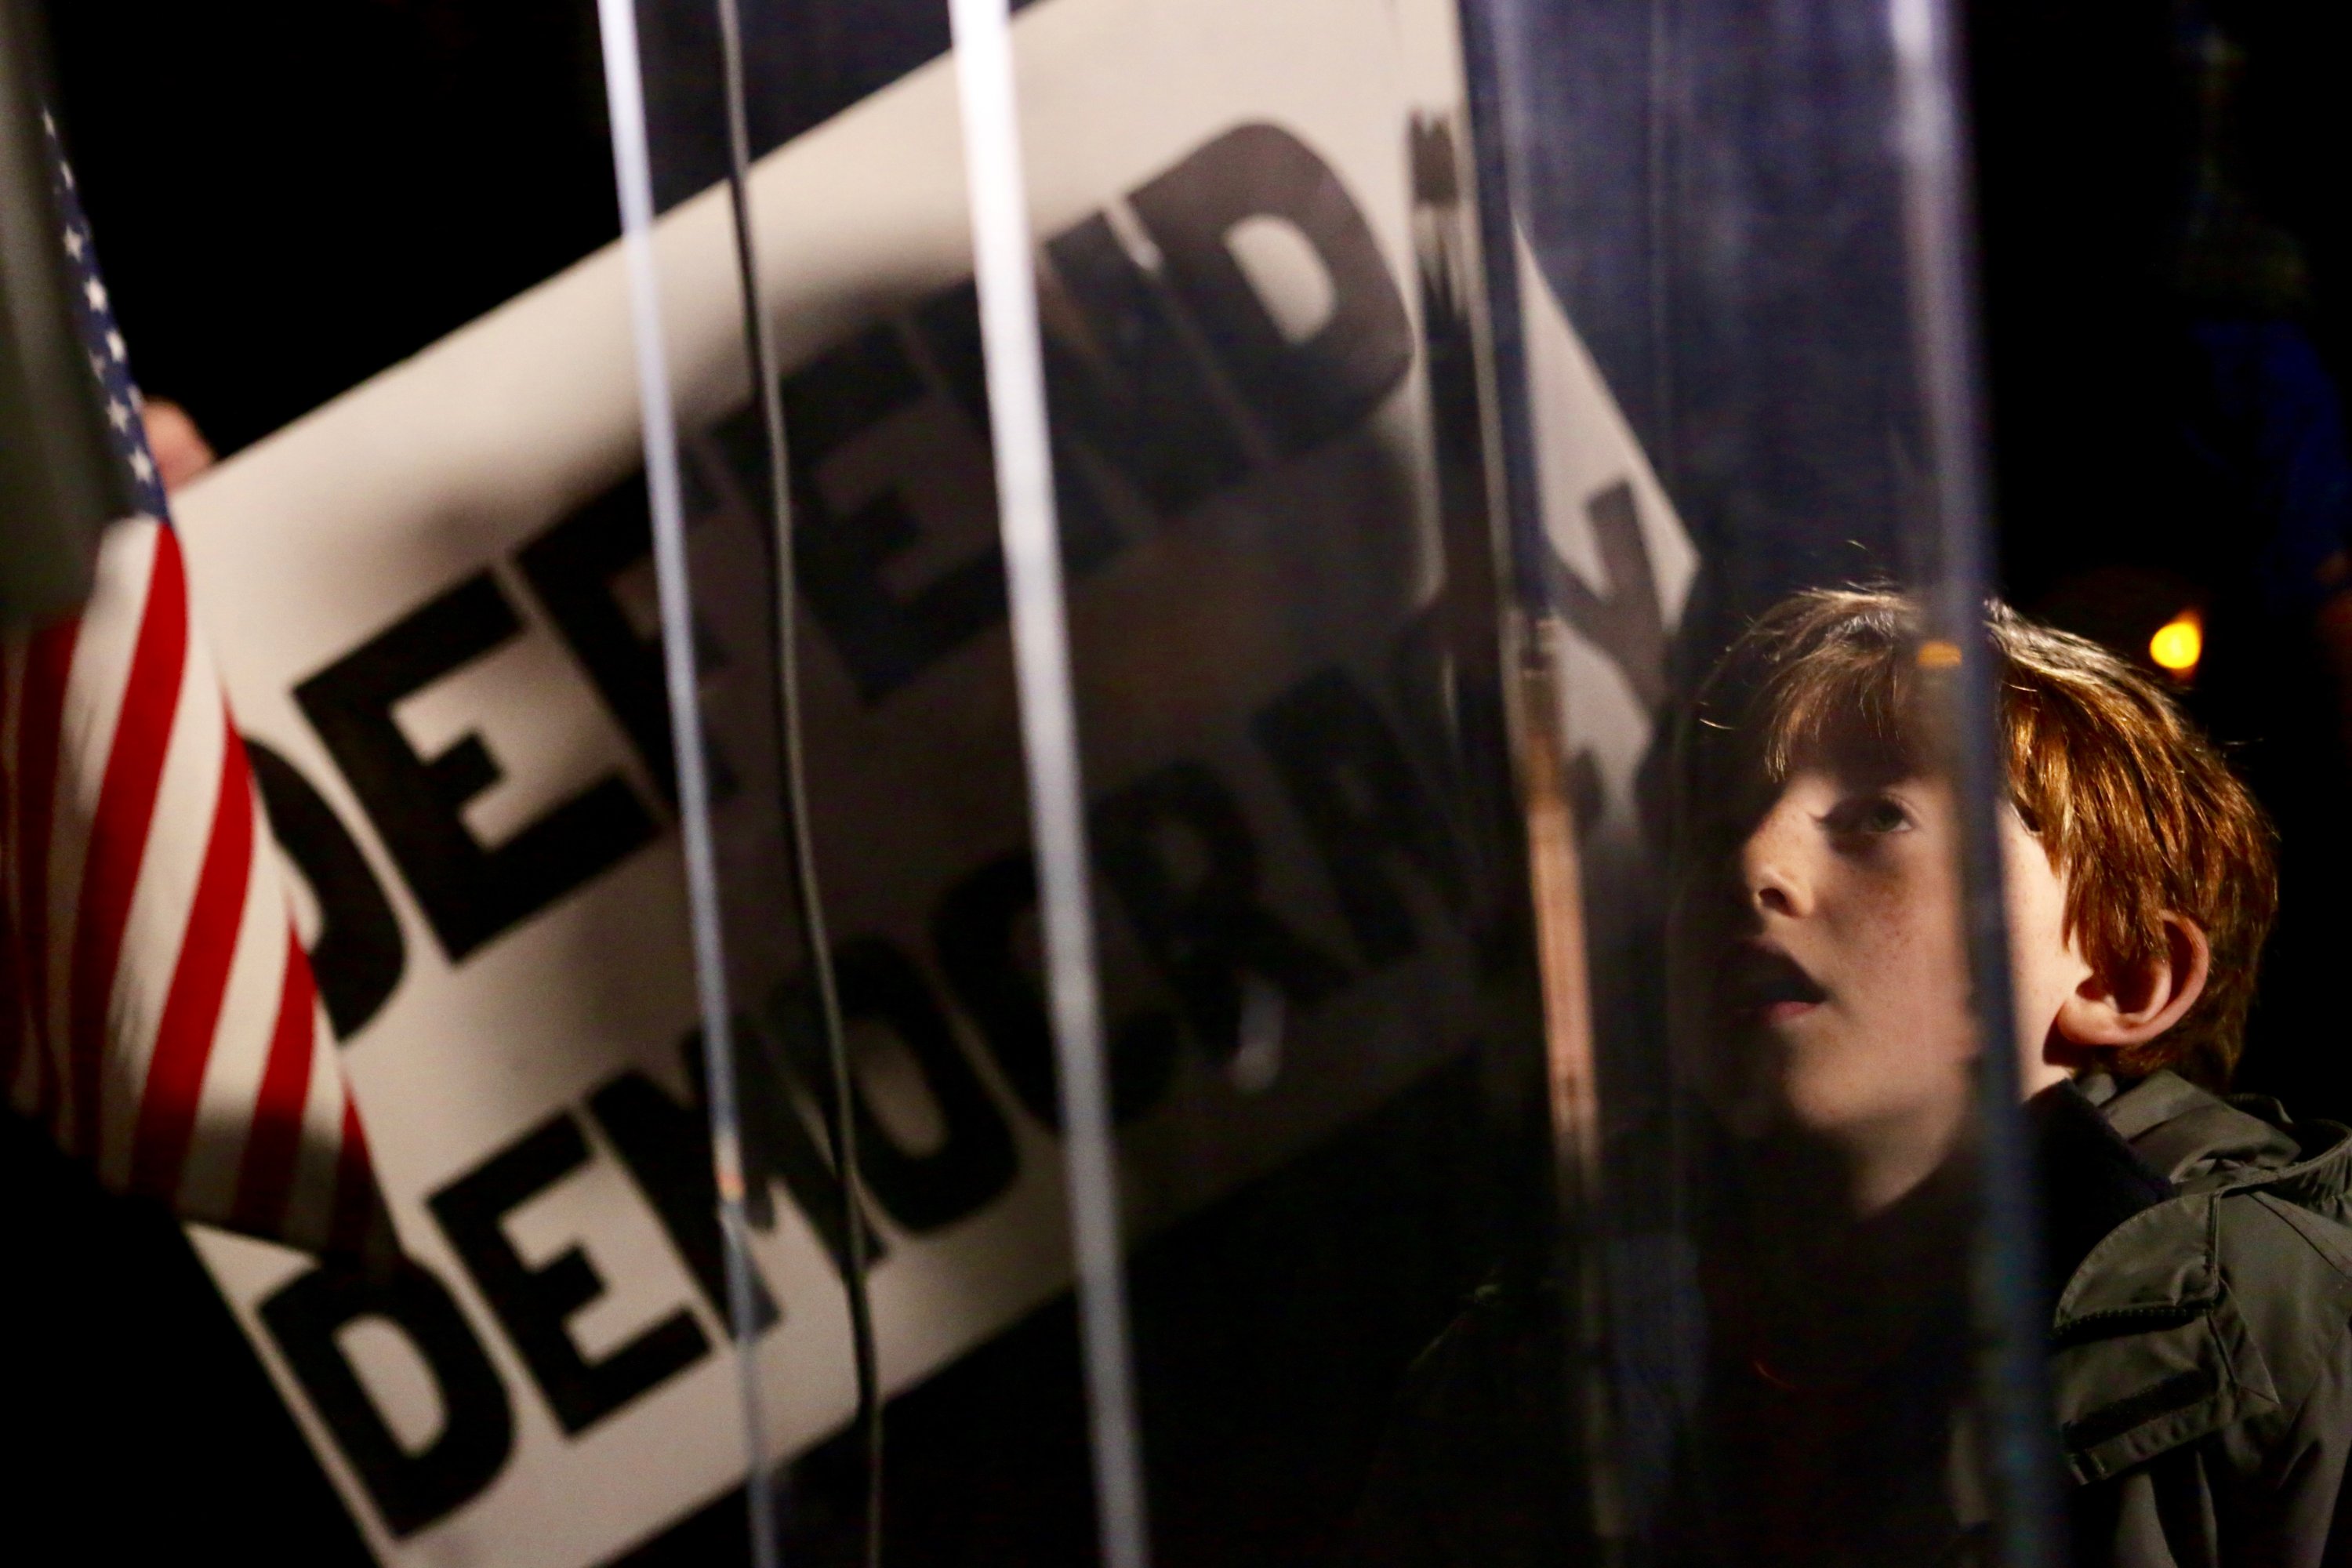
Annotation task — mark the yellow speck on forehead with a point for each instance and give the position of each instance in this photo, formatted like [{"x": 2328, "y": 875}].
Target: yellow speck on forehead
[{"x": 1938, "y": 654}]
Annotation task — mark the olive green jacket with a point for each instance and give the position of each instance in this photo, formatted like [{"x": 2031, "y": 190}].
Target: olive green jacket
[{"x": 2201, "y": 1349}]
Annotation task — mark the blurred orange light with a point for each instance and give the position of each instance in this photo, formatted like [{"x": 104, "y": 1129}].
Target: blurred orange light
[{"x": 2178, "y": 644}]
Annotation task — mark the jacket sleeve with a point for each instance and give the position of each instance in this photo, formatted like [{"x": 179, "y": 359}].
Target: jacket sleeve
[
  {"x": 2272, "y": 1492},
  {"x": 2309, "y": 1507}
]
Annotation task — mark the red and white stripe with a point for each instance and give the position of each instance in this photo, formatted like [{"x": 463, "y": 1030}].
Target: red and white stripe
[{"x": 164, "y": 1025}]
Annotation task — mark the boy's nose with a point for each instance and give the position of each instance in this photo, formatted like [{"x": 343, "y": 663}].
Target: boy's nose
[{"x": 1771, "y": 869}]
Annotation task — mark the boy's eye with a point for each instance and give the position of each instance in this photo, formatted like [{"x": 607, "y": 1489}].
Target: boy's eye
[
  {"x": 1883, "y": 815},
  {"x": 1870, "y": 815}
]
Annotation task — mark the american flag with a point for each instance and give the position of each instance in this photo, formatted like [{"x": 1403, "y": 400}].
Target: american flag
[{"x": 161, "y": 1022}]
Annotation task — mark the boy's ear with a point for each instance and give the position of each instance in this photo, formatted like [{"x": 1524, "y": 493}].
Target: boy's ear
[{"x": 2134, "y": 1006}]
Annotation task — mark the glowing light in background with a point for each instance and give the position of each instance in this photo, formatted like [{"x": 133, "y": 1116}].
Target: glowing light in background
[{"x": 2178, "y": 644}]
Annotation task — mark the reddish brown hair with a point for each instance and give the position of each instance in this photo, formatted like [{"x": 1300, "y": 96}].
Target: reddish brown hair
[{"x": 2137, "y": 810}]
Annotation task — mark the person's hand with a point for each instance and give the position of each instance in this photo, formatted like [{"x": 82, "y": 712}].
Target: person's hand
[{"x": 179, "y": 448}]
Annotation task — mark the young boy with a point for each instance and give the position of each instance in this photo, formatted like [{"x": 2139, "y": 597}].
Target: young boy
[
  {"x": 2200, "y": 1267},
  {"x": 2202, "y": 1279}
]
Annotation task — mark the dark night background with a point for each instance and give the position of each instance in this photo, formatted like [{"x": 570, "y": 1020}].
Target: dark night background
[{"x": 288, "y": 197}]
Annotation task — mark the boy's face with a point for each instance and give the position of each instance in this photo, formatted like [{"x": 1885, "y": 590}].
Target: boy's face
[{"x": 1827, "y": 958}]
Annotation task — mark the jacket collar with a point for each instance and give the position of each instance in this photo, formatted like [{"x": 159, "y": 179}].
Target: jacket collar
[
  {"x": 2094, "y": 1179},
  {"x": 2192, "y": 1137}
]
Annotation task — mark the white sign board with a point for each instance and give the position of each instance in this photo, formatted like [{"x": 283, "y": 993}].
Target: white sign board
[{"x": 428, "y": 601}]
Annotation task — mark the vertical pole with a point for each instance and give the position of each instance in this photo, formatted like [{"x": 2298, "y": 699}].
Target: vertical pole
[
  {"x": 784, "y": 599},
  {"x": 1536, "y": 636},
  {"x": 2019, "y": 1454},
  {"x": 1004, "y": 270},
  {"x": 632, "y": 168}
]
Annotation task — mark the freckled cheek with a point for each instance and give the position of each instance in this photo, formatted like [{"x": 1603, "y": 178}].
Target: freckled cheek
[{"x": 1898, "y": 953}]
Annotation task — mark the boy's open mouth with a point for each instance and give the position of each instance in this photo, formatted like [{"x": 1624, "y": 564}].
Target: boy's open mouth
[{"x": 1762, "y": 982}]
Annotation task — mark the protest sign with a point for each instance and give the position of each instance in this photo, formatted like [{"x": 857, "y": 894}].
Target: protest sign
[{"x": 431, "y": 605}]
